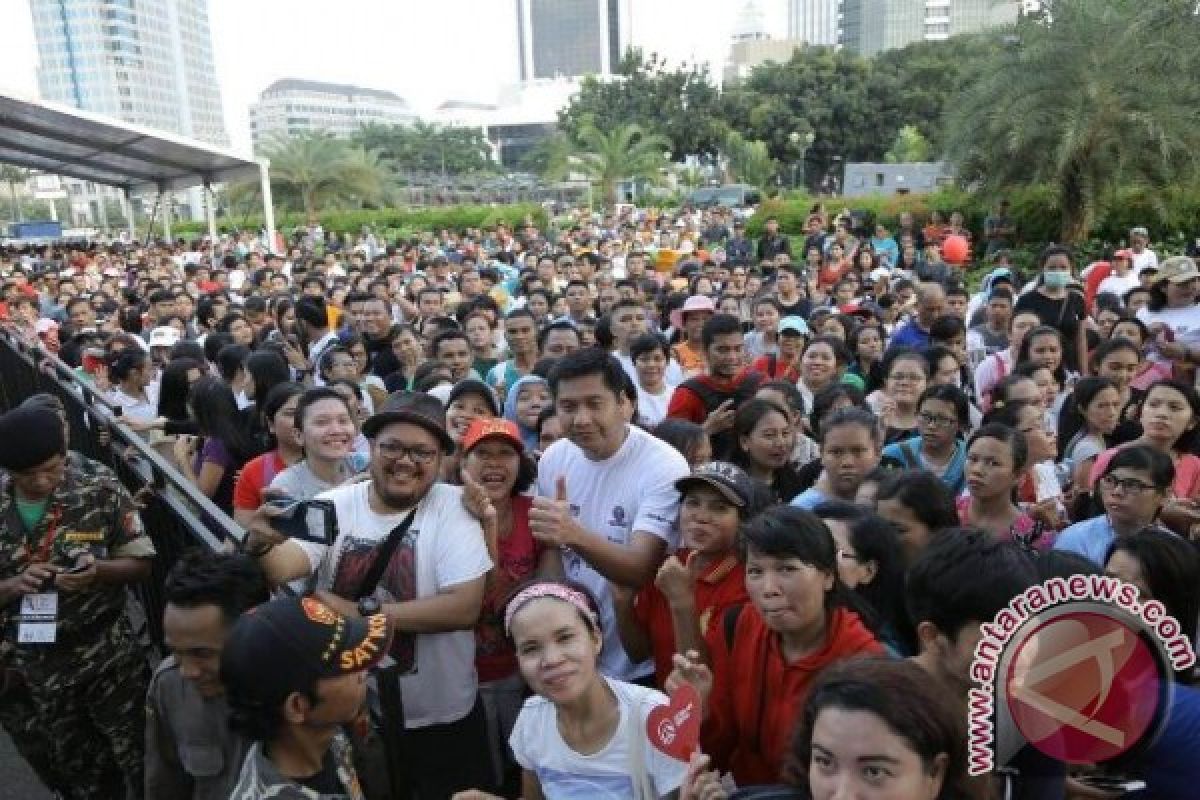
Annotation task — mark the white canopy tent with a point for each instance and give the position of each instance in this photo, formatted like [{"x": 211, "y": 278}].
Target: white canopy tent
[{"x": 61, "y": 140}]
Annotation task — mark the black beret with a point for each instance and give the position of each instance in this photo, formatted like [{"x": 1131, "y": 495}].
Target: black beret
[{"x": 29, "y": 437}]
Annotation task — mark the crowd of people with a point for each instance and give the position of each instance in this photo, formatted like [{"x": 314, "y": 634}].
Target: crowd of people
[{"x": 548, "y": 475}]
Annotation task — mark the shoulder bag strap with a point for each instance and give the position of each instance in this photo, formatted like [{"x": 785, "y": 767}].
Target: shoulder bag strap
[{"x": 383, "y": 555}]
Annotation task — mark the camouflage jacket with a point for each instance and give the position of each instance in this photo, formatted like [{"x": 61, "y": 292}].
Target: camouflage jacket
[
  {"x": 260, "y": 780},
  {"x": 89, "y": 512}
]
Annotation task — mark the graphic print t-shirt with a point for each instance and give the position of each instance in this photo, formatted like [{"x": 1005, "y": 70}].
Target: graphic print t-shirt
[{"x": 444, "y": 548}]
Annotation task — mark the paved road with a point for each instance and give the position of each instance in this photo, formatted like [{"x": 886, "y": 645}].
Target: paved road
[{"x": 16, "y": 777}]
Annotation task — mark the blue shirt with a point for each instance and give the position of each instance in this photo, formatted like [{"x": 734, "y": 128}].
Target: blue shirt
[
  {"x": 954, "y": 475},
  {"x": 886, "y": 246},
  {"x": 1170, "y": 767},
  {"x": 1090, "y": 539},
  {"x": 911, "y": 335},
  {"x": 810, "y": 499}
]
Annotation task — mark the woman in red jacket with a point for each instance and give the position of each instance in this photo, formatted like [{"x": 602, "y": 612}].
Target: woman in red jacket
[
  {"x": 766, "y": 655},
  {"x": 695, "y": 586}
]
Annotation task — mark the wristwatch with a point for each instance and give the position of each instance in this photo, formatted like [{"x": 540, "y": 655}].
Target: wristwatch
[{"x": 369, "y": 606}]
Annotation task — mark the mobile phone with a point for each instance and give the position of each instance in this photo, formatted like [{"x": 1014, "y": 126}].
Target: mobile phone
[
  {"x": 305, "y": 520},
  {"x": 1111, "y": 783}
]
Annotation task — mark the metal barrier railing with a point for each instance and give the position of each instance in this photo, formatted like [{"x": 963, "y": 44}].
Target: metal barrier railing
[{"x": 177, "y": 517}]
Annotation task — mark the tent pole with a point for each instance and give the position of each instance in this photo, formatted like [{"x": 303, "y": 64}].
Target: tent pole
[
  {"x": 210, "y": 211},
  {"x": 264, "y": 175}
]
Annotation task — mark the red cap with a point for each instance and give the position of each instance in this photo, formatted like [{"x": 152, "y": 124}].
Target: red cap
[{"x": 486, "y": 427}]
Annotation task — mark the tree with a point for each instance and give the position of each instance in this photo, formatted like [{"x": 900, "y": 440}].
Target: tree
[
  {"x": 819, "y": 91},
  {"x": 909, "y": 146},
  {"x": 315, "y": 170},
  {"x": 551, "y": 157},
  {"x": 12, "y": 176},
  {"x": 622, "y": 153},
  {"x": 428, "y": 148},
  {"x": 1098, "y": 95},
  {"x": 680, "y": 103},
  {"x": 749, "y": 162},
  {"x": 912, "y": 85}
]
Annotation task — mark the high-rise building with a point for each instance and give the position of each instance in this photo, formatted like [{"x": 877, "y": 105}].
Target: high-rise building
[
  {"x": 289, "y": 107},
  {"x": 752, "y": 44},
  {"x": 816, "y": 22},
  {"x": 872, "y": 26},
  {"x": 148, "y": 62},
  {"x": 571, "y": 38},
  {"x": 145, "y": 62}
]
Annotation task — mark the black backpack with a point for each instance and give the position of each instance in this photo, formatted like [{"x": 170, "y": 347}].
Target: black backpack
[{"x": 712, "y": 398}]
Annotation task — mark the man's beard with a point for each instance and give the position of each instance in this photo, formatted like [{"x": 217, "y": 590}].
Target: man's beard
[{"x": 400, "y": 500}]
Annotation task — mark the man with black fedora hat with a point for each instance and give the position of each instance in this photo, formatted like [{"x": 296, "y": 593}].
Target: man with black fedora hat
[
  {"x": 73, "y": 674},
  {"x": 406, "y": 547},
  {"x": 295, "y": 673}
]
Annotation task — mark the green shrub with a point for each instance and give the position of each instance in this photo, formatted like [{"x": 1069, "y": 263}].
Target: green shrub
[
  {"x": 455, "y": 218},
  {"x": 1170, "y": 213}
]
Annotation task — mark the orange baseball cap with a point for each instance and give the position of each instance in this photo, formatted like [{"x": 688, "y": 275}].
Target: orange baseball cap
[{"x": 486, "y": 428}]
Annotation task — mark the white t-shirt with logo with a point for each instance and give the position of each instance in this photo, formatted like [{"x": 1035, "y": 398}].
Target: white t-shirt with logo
[
  {"x": 448, "y": 550},
  {"x": 652, "y": 408},
  {"x": 633, "y": 490},
  {"x": 606, "y": 774}
]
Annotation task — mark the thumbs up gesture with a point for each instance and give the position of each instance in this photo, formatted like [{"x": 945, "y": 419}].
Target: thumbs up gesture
[{"x": 550, "y": 519}]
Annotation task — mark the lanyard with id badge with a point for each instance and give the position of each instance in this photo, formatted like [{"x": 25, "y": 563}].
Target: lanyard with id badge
[{"x": 37, "y": 617}]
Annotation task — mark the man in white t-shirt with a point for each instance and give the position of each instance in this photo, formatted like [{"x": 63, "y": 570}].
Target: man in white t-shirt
[
  {"x": 1143, "y": 256},
  {"x": 627, "y": 321},
  {"x": 606, "y": 493},
  {"x": 1124, "y": 275},
  {"x": 431, "y": 589}
]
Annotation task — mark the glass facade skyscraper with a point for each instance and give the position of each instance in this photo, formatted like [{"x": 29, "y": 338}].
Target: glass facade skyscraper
[
  {"x": 146, "y": 62},
  {"x": 872, "y": 26},
  {"x": 570, "y": 38}
]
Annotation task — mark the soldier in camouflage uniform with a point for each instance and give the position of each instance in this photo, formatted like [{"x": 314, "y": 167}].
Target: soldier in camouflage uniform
[{"x": 70, "y": 537}]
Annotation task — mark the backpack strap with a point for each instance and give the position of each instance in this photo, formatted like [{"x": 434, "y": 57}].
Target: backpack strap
[{"x": 911, "y": 459}]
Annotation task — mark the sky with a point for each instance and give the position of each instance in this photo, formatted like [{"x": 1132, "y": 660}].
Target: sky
[{"x": 426, "y": 51}]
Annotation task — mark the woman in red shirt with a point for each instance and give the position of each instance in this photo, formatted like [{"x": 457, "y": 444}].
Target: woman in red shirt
[
  {"x": 697, "y": 584},
  {"x": 766, "y": 654},
  {"x": 279, "y": 411},
  {"x": 495, "y": 472}
]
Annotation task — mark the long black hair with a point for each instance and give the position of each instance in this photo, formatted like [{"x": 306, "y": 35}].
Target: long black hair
[
  {"x": 216, "y": 413},
  {"x": 791, "y": 532},
  {"x": 173, "y": 389}
]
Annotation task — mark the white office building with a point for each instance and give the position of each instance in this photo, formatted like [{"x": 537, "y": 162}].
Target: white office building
[{"x": 290, "y": 107}]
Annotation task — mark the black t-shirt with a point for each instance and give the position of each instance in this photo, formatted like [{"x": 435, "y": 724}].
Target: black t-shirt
[
  {"x": 1064, "y": 313},
  {"x": 801, "y": 308},
  {"x": 326, "y": 781}
]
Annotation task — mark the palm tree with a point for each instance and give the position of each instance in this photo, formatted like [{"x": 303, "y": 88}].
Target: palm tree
[
  {"x": 13, "y": 176},
  {"x": 311, "y": 166},
  {"x": 1097, "y": 95},
  {"x": 367, "y": 177},
  {"x": 626, "y": 152},
  {"x": 748, "y": 160}
]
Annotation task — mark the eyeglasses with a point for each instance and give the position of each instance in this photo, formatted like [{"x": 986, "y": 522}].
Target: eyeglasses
[
  {"x": 936, "y": 420},
  {"x": 906, "y": 377},
  {"x": 1111, "y": 483},
  {"x": 394, "y": 451}
]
